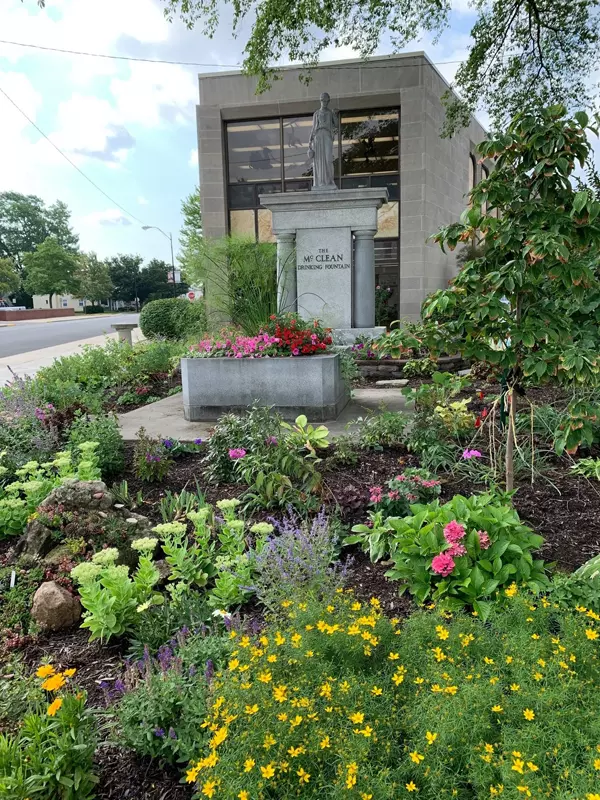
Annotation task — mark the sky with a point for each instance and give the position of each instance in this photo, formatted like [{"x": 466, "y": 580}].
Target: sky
[{"x": 129, "y": 126}]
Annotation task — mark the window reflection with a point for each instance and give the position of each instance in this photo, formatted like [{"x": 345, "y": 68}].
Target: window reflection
[
  {"x": 369, "y": 142},
  {"x": 295, "y": 136},
  {"x": 254, "y": 151}
]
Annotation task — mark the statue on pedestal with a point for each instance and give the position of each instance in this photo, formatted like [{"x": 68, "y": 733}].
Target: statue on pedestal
[{"x": 320, "y": 145}]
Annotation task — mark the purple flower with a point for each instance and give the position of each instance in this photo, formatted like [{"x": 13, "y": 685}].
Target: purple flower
[
  {"x": 119, "y": 686},
  {"x": 197, "y": 441},
  {"x": 159, "y": 732},
  {"x": 209, "y": 671},
  {"x": 467, "y": 454},
  {"x": 237, "y": 452},
  {"x": 168, "y": 443},
  {"x": 172, "y": 734},
  {"x": 271, "y": 440}
]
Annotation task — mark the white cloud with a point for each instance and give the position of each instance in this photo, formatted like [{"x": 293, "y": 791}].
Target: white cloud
[
  {"x": 193, "y": 159},
  {"x": 111, "y": 216},
  {"x": 154, "y": 94},
  {"x": 142, "y": 200}
]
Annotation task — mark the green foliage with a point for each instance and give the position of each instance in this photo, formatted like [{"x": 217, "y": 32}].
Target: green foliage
[
  {"x": 385, "y": 429},
  {"x": 190, "y": 237},
  {"x": 176, "y": 506},
  {"x": 462, "y": 552},
  {"x": 161, "y": 714},
  {"x": 20, "y": 499},
  {"x": 92, "y": 279},
  {"x": 302, "y": 436},
  {"x": 17, "y": 691},
  {"x": 152, "y": 460},
  {"x": 159, "y": 624},
  {"x": 110, "y": 597},
  {"x": 9, "y": 278},
  {"x": 190, "y": 565},
  {"x": 456, "y": 418},
  {"x": 587, "y": 467},
  {"x": 409, "y": 487},
  {"x": 360, "y": 704},
  {"x": 348, "y": 366},
  {"x": 50, "y": 756},
  {"x": 241, "y": 279},
  {"x": 104, "y": 430},
  {"x": 50, "y": 269},
  {"x": 15, "y": 603},
  {"x": 419, "y": 368},
  {"x": 174, "y": 318},
  {"x": 579, "y": 589},
  {"x": 249, "y": 432},
  {"x": 345, "y": 453},
  {"x": 385, "y": 313},
  {"x": 530, "y": 304}
]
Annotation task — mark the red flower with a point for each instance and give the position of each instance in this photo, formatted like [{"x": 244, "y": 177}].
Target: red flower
[{"x": 478, "y": 423}]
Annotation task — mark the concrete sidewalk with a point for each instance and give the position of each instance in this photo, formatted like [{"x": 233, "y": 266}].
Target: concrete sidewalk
[
  {"x": 29, "y": 363},
  {"x": 165, "y": 417}
]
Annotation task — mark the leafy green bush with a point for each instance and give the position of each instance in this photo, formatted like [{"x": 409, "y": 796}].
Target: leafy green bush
[
  {"x": 151, "y": 459},
  {"x": 338, "y": 701},
  {"x": 580, "y": 588},
  {"x": 386, "y": 429},
  {"x": 173, "y": 318},
  {"x": 110, "y": 597},
  {"x": 163, "y": 704},
  {"x": 419, "y": 368},
  {"x": 410, "y": 486},
  {"x": 93, "y": 310},
  {"x": 50, "y": 756},
  {"x": 460, "y": 553},
  {"x": 104, "y": 430},
  {"x": 15, "y": 603}
]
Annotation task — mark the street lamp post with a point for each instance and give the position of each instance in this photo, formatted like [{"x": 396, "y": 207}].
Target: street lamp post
[{"x": 170, "y": 238}]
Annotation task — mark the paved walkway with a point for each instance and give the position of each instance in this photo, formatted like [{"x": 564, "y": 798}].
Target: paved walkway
[
  {"x": 165, "y": 417},
  {"x": 29, "y": 363}
]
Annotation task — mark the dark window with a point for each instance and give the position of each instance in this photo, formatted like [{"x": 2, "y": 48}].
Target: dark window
[
  {"x": 369, "y": 142},
  {"x": 298, "y": 186},
  {"x": 295, "y": 135},
  {"x": 241, "y": 196},
  {"x": 254, "y": 151},
  {"x": 391, "y": 181}
]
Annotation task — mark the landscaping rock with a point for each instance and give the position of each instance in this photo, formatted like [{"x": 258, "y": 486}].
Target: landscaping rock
[
  {"x": 58, "y": 554},
  {"x": 74, "y": 494},
  {"x": 391, "y": 384},
  {"x": 54, "y": 608},
  {"x": 36, "y": 541}
]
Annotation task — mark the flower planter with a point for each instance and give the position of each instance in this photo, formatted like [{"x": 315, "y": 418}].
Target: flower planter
[{"x": 310, "y": 385}]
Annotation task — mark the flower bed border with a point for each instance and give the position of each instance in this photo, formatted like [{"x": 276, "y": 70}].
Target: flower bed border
[{"x": 393, "y": 367}]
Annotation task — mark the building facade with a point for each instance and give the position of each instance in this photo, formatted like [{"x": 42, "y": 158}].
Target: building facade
[{"x": 390, "y": 116}]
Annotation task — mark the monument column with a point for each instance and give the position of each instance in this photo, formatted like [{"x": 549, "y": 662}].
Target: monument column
[
  {"x": 363, "y": 296},
  {"x": 287, "y": 287}
]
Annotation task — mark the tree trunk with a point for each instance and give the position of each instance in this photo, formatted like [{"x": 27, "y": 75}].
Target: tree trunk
[
  {"x": 510, "y": 442},
  {"x": 50, "y": 300}
]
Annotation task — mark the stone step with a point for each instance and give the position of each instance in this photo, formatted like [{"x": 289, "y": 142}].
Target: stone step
[{"x": 392, "y": 383}]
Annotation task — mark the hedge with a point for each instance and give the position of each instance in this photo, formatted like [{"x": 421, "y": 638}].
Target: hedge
[{"x": 173, "y": 318}]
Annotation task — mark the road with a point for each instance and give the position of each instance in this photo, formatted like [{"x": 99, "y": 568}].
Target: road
[{"x": 23, "y": 337}]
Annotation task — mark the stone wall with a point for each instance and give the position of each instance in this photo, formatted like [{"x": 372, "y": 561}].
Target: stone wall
[{"x": 34, "y": 313}]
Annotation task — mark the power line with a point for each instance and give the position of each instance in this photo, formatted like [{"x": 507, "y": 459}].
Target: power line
[
  {"x": 366, "y": 65},
  {"x": 66, "y": 157}
]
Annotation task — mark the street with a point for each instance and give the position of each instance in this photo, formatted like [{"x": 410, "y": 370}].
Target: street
[{"x": 23, "y": 337}]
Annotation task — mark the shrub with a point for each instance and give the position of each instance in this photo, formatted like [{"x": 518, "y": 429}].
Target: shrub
[
  {"x": 162, "y": 701},
  {"x": 300, "y": 561},
  {"x": 173, "y": 318},
  {"x": 50, "y": 757},
  {"x": 151, "y": 459},
  {"x": 460, "y": 553},
  {"x": 333, "y": 703},
  {"x": 386, "y": 429},
  {"x": 93, "y": 310},
  {"x": 580, "y": 588},
  {"x": 419, "y": 368},
  {"x": 410, "y": 486},
  {"x": 104, "y": 430}
]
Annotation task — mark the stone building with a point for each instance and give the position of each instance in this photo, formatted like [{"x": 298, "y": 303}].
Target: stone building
[{"x": 390, "y": 116}]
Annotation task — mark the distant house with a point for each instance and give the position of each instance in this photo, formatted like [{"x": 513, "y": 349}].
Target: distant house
[{"x": 60, "y": 301}]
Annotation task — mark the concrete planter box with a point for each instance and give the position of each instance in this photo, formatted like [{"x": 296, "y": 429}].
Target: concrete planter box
[{"x": 310, "y": 385}]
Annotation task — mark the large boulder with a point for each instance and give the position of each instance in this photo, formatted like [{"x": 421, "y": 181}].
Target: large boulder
[{"x": 54, "y": 608}]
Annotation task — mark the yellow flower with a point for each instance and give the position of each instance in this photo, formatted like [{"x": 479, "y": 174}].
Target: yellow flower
[
  {"x": 512, "y": 590},
  {"x": 219, "y": 737},
  {"x": 245, "y": 641},
  {"x": 394, "y": 656},
  {"x": 591, "y": 796},
  {"x": 376, "y": 691},
  {"x": 591, "y": 634},
  {"x": 209, "y": 788},
  {"x": 357, "y": 718},
  {"x": 509, "y": 659},
  {"x": 268, "y": 771},
  {"x": 250, "y": 710},
  {"x": 365, "y": 796},
  {"x": 518, "y": 765},
  {"x": 514, "y": 687},
  {"x": 416, "y": 757},
  {"x": 296, "y": 639},
  {"x": 489, "y": 748},
  {"x": 54, "y": 707},
  {"x": 69, "y": 672},
  {"x": 280, "y": 693},
  {"x": 419, "y": 680},
  {"x": 497, "y": 709},
  {"x": 431, "y": 737},
  {"x": 532, "y": 766},
  {"x": 249, "y": 764},
  {"x": 535, "y": 636},
  {"x": 270, "y": 740},
  {"x": 597, "y": 764},
  {"x": 296, "y": 721},
  {"x": 54, "y": 683},
  {"x": 324, "y": 743},
  {"x": 272, "y": 658},
  {"x": 366, "y": 731},
  {"x": 325, "y": 690},
  {"x": 344, "y": 687},
  {"x": 303, "y": 775},
  {"x": 451, "y": 690},
  {"x": 192, "y": 774},
  {"x": 233, "y": 664},
  {"x": 243, "y": 796},
  {"x": 279, "y": 639},
  {"x": 265, "y": 677},
  {"x": 541, "y": 662},
  {"x": 45, "y": 671},
  {"x": 488, "y": 660},
  {"x": 294, "y": 752},
  {"x": 309, "y": 654},
  {"x": 525, "y": 790},
  {"x": 375, "y": 602},
  {"x": 356, "y": 606},
  {"x": 442, "y": 632},
  {"x": 529, "y": 714},
  {"x": 411, "y": 787},
  {"x": 438, "y": 654}
]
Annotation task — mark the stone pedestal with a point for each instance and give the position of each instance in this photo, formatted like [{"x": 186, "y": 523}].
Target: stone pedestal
[{"x": 332, "y": 276}]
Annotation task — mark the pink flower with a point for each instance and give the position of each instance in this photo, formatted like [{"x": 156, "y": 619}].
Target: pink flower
[
  {"x": 295, "y": 351},
  {"x": 456, "y": 549},
  {"x": 453, "y": 532},
  {"x": 376, "y": 494},
  {"x": 484, "y": 540},
  {"x": 430, "y": 484},
  {"x": 412, "y": 497},
  {"x": 401, "y": 478},
  {"x": 471, "y": 454},
  {"x": 443, "y": 564},
  {"x": 237, "y": 452},
  {"x": 393, "y": 495}
]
